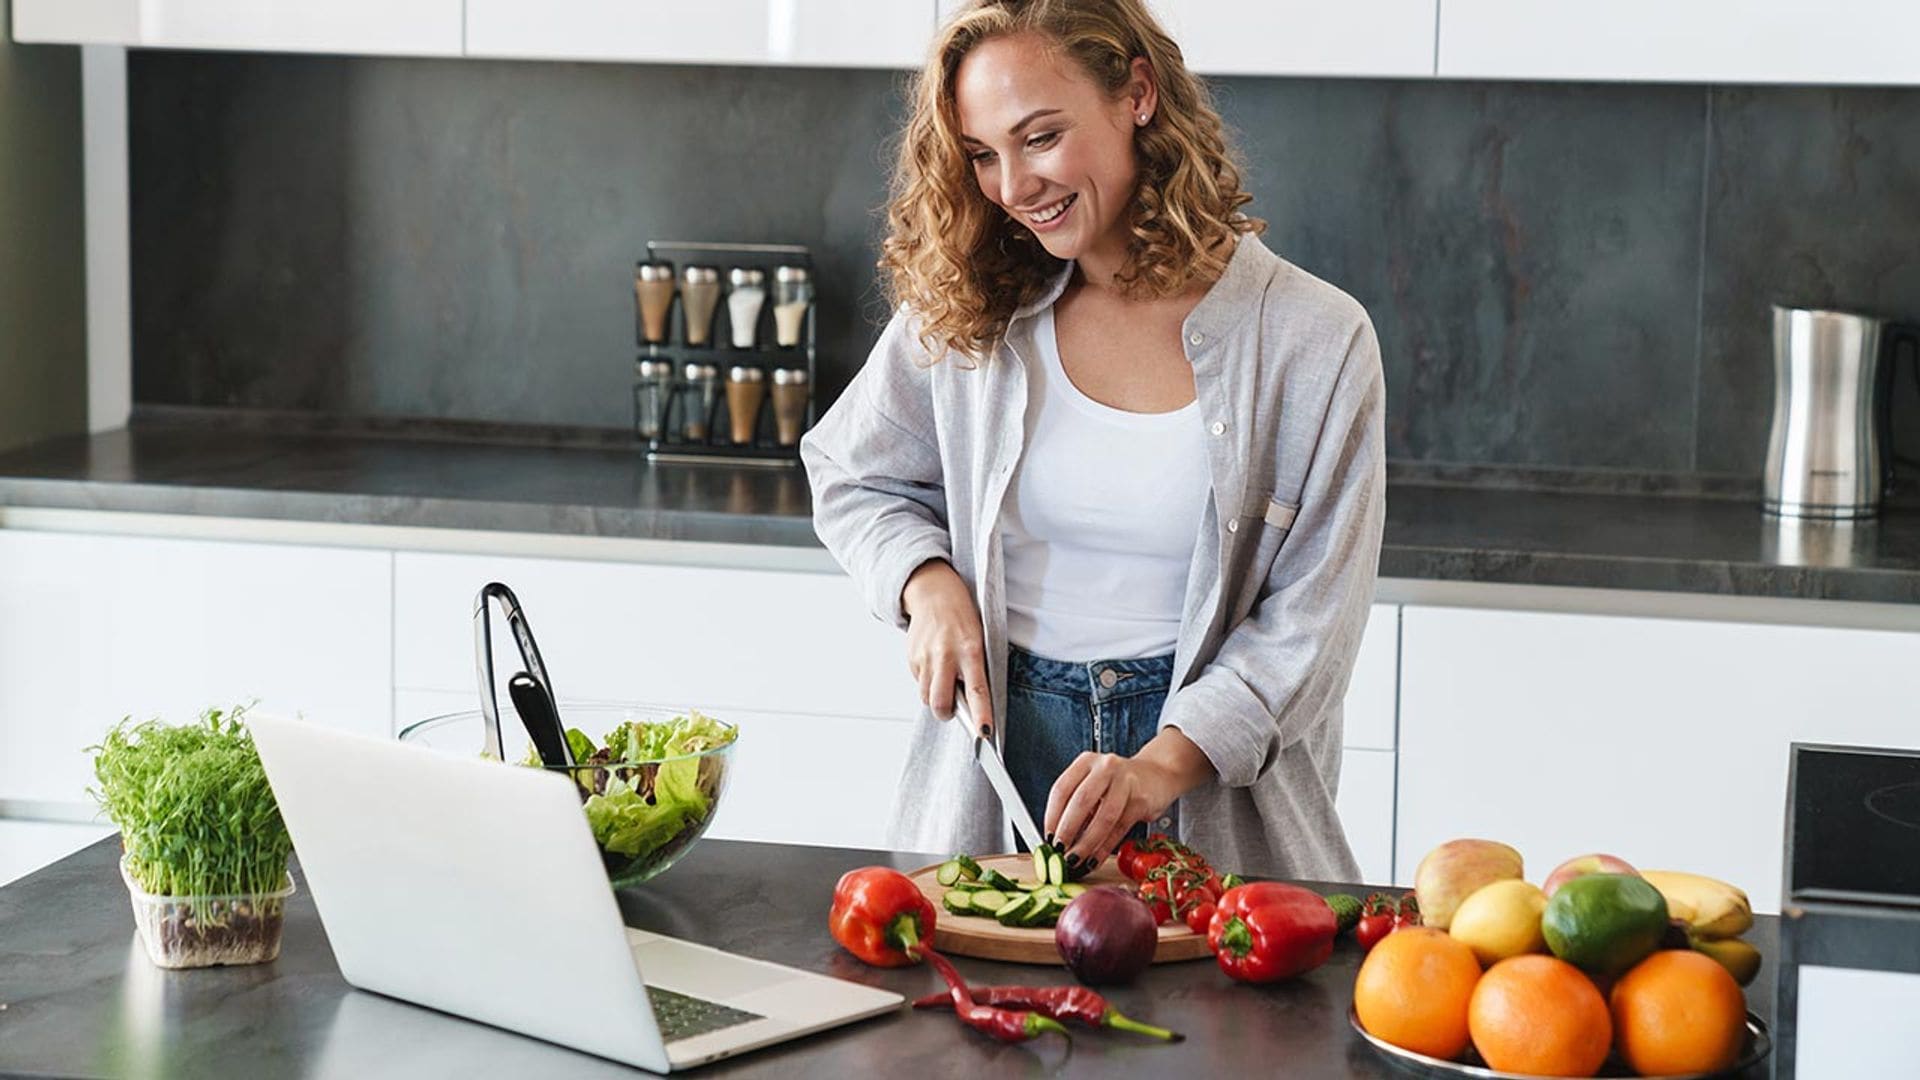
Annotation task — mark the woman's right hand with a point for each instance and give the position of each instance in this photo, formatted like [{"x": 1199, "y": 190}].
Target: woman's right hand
[{"x": 945, "y": 643}]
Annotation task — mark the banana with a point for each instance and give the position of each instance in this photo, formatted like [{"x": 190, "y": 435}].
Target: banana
[
  {"x": 1741, "y": 960},
  {"x": 1713, "y": 908}
]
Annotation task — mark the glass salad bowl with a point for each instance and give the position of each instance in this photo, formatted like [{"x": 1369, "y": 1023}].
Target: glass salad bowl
[{"x": 649, "y": 779}]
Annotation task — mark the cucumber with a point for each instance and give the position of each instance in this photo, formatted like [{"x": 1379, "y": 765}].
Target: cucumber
[
  {"x": 1072, "y": 889},
  {"x": 949, "y": 873},
  {"x": 957, "y": 902},
  {"x": 968, "y": 868},
  {"x": 998, "y": 880},
  {"x": 988, "y": 901},
  {"x": 1029, "y": 886},
  {"x": 1041, "y": 914},
  {"x": 1056, "y": 868},
  {"x": 1016, "y": 911},
  {"x": 1040, "y": 863}
]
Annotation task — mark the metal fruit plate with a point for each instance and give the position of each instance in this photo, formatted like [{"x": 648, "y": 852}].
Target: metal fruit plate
[{"x": 1759, "y": 1045}]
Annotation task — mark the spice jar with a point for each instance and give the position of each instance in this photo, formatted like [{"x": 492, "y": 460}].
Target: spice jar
[
  {"x": 699, "y": 296},
  {"x": 653, "y": 299},
  {"x": 746, "y": 389},
  {"x": 747, "y": 294},
  {"x": 653, "y": 395},
  {"x": 790, "y": 392},
  {"x": 792, "y": 295},
  {"x": 703, "y": 393}
]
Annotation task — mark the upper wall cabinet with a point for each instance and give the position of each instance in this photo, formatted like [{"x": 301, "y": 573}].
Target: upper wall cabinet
[
  {"x": 1760, "y": 41},
  {"x": 371, "y": 27},
  {"x": 817, "y": 33},
  {"x": 1296, "y": 37}
]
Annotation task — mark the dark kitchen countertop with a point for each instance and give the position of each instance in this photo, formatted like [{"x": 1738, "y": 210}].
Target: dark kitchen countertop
[
  {"x": 79, "y": 998},
  {"x": 1438, "y": 528}
]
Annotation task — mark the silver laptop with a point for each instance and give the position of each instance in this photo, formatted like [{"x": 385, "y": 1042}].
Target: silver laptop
[{"x": 476, "y": 888}]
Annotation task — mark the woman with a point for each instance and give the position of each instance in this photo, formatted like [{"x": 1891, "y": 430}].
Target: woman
[{"x": 1115, "y": 467}]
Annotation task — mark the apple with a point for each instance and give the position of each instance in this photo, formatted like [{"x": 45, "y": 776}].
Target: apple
[
  {"x": 1455, "y": 870},
  {"x": 1582, "y": 865}
]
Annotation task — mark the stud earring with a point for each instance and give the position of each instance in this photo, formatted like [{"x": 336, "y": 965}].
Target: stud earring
[{"x": 1143, "y": 118}]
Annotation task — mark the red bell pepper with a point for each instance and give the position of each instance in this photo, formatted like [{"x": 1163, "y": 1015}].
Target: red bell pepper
[
  {"x": 881, "y": 916},
  {"x": 1268, "y": 930}
]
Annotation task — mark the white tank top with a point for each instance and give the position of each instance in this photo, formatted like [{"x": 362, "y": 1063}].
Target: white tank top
[{"x": 1100, "y": 521}]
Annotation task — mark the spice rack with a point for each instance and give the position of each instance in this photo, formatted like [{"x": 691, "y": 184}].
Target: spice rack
[{"x": 689, "y": 420}]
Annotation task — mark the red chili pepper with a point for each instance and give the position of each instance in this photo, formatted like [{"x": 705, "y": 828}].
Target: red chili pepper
[
  {"x": 881, "y": 916},
  {"x": 1058, "y": 1002},
  {"x": 1376, "y": 921},
  {"x": 1268, "y": 931},
  {"x": 1007, "y": 1025}
]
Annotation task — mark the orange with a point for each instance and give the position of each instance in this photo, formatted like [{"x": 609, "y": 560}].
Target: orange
[
  {"x": 1413, "y": 990},
  {"x": 1678, "y": 1011},
  {"x": 1539, "y": 1015}
]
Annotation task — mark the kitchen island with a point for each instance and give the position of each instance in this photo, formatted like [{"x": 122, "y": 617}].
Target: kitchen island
[{"x": 79, "y": 998}]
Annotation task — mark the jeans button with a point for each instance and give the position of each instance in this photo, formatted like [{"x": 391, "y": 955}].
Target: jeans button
[{"x": 1108, "y": 678}]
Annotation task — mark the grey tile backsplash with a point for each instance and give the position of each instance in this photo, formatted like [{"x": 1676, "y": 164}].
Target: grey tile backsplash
[{"x": 1564, "y": 276}]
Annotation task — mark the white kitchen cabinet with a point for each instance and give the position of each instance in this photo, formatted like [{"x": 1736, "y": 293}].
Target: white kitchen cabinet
[
  {"x": 1392, "y": 38},
  {"x": 1720, "y": 41},
  {"x": 720, "y": 640},
  {"x": 1662, "y": 741},
  {"x": 367, "y": 27},
  {"x": 1373, "y": 690},
  {"x": 1366, "y": 810},
  {"x": 1382, "y": 38},
  {"x": 94, "y": 628},
  {"x": 26, "y": 846},
  {"x": 814, "y": 33}
]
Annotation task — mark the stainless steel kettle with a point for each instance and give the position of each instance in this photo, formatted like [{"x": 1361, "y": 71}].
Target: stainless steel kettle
[{"x": 1827, "y": 454}]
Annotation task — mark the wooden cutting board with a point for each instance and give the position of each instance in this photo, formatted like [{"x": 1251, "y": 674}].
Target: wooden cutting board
[{"x": 982, "y": 937}]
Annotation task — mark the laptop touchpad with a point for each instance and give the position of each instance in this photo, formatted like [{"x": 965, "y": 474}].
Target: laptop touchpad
[{"x": 706, "y": 973}]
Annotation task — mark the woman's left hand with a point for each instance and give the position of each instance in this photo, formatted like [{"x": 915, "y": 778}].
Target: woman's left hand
[{"x": 1100, "y": 797}]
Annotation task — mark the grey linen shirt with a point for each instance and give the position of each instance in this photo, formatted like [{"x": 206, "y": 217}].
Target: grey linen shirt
[{"x": 913, "y": 463}]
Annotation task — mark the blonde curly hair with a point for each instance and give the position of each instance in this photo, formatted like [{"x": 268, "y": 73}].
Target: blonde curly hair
[{"x": 962, "y": 265}]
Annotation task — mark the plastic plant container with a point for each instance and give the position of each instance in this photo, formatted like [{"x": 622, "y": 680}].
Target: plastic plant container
[
  {"x": 208, "y": 931},
  {"x": 464, "y": 733}
]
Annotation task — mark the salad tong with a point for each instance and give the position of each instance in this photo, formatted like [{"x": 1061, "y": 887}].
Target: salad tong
[{"x": 531, "y": 689}]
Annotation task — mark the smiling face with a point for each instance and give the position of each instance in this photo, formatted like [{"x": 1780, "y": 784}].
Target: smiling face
[{"x": 1052, "y": 148}]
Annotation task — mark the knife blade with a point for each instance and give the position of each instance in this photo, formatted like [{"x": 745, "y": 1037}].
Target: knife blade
[{"x": 987, "y": 756}]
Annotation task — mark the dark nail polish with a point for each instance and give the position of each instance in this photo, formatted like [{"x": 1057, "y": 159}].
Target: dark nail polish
[
  {"x": 986, "y": 731},
  {"x": 1073, "y": 862},
  {"x": 1051, "y": 841}
]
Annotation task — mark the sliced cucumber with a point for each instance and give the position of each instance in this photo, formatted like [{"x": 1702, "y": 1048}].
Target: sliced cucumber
[
  {"x": 1029, "y": 886},
  {"x": 1072, "y": 889},
  {"x": 1056, "y": 868},
  {"x": 957, "y": 902},
  {"x": 1040, "y": 914},
  {"x": 1016, "y": 911},
  {"x": 949, "y": 872},
  {"x": 968, "y": 868},
  {"x": 999, "y": 880},
  {"x": 989, "y": 901},
  {"x": 1040, "y": 862}
]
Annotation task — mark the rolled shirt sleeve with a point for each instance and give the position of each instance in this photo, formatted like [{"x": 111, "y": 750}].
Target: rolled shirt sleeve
[{"x": 879, "y": 504}]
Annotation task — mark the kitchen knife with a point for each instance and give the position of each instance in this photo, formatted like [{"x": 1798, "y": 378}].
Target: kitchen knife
[
  {"x": 988, "y": 757},
  {"x": 536, "y": 711}
]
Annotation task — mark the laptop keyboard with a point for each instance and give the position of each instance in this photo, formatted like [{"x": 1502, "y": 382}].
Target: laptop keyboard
[{"x": 682, "y": 1016}]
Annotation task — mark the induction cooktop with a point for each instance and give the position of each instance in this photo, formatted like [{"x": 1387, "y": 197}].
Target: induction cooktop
[{"x": 1854, "y": 825}]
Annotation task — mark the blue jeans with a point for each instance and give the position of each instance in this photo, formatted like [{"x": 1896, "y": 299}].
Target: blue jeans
[{"x": 1057, "y": 710}]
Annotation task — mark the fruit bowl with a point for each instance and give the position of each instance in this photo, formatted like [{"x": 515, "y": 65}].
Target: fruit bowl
[
  {"x": 1759, "y": 1045},
  {"x": 646, "y": 806}
]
